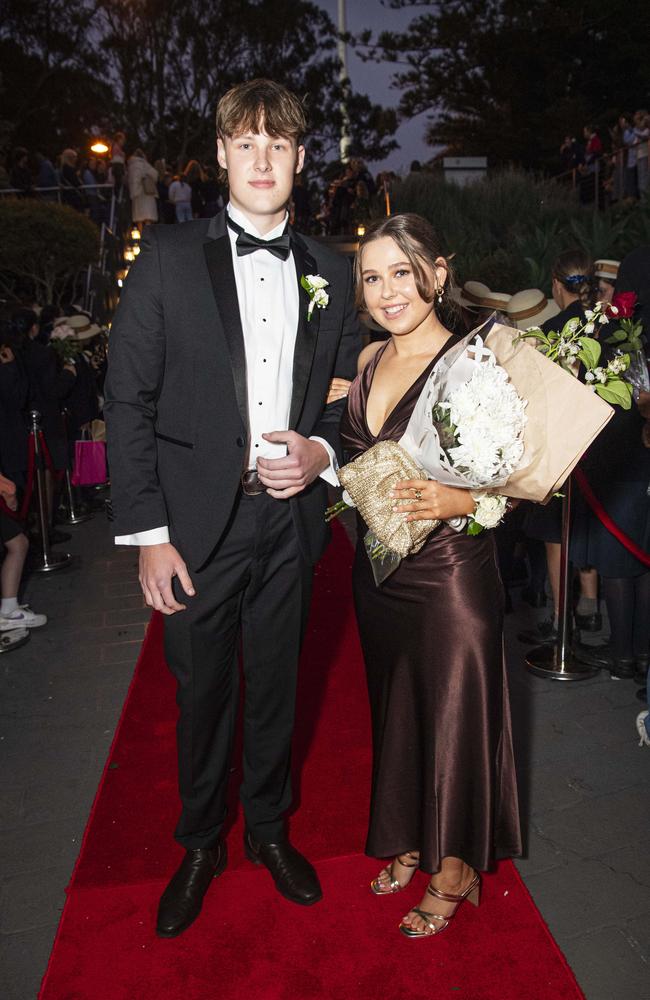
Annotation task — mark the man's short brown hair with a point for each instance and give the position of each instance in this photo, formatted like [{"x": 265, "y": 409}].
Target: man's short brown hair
[{"x": 261, "y": 105}]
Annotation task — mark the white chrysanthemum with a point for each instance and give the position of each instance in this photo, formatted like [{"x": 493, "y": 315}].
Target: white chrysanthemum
[{"x": 489, "y": 419}]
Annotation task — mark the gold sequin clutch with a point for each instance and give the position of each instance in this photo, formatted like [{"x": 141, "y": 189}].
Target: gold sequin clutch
[{"x": 369, "y": 480}]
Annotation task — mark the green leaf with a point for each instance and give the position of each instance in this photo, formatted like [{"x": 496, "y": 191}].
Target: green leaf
[
  {"x": 616, "y": 392},
  {"x": 474, "y": 528},
  {"x": 590, "y": 351}
]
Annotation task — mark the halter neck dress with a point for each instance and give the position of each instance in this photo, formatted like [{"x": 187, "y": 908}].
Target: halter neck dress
[{"x": 443, "y": 778}]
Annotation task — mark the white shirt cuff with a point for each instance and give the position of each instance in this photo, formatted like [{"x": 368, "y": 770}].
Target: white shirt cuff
[
  {"x": 329, "y": 474},
  {"x": 153, "y": 536}
]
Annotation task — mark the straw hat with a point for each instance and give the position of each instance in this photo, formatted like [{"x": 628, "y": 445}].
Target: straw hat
[
  {"x": 82, "y": 326},
  {"x": 607, "y": 269},
  {"x": 530, "y": 308},
  {"x": 475, "y": 295}
]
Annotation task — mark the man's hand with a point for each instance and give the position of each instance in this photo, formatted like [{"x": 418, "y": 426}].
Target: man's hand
[
  {"x": 158, "y": 565},
  {"x": 284, "y": 477}
]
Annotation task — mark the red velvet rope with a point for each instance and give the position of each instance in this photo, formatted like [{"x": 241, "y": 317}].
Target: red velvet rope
[
  {"x": 605, "y": 519},
  {"x": 21, "y": 514}
]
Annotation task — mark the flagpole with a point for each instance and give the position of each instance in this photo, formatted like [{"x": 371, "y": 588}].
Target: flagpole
[{"x": 343, "y": 79}]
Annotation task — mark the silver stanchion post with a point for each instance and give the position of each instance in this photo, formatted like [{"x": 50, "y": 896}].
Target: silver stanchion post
[
  {"x": 50, "y": 560},
  {"x": 75, "y": 515},
  {"x": 557, "y": 663}
]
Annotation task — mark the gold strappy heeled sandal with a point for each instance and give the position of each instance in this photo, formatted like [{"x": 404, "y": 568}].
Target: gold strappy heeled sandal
[
  {"x": 472, "y": 893},
  {"x": 381, "y": 889}
]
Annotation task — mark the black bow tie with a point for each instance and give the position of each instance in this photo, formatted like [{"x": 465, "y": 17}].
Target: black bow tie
[{"x": 280, "y": 247}]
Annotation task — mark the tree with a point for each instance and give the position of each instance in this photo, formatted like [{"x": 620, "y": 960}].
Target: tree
[
  {"x": 508, "y": 78},
  {"x": 156, "y": 69},
  {"x": 50, "y": 84},
  {"x": 43, "y": 246},
  {"x": 172, "y": 60}
]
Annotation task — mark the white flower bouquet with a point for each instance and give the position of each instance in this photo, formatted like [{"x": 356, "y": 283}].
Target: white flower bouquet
[{"x": 494, "y": 416}]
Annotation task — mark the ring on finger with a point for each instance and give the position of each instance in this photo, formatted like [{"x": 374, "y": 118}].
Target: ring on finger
[{"x": 418, "y": 494}]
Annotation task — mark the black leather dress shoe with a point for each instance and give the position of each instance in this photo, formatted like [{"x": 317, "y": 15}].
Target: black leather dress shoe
[
  {"x": 294, "y": 877},
  {"x": 620, "y": 667},
  {"x": 589, "y": 623},
  {"x": 181, "y": 902}
]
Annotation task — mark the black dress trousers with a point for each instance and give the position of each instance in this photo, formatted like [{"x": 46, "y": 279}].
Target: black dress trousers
[{"x": 256, "y": 586}]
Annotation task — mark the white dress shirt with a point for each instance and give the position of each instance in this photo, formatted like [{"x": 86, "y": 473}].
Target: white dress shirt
[{"x": 267, "y": 291}]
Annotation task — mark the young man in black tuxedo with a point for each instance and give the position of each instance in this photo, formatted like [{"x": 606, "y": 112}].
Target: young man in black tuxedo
[{"x": 220, "y": 444}]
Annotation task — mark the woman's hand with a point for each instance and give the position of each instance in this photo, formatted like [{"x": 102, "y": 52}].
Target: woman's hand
[
  {"x": 338, "y": 389},
  {"x": 436, "y": 502}
]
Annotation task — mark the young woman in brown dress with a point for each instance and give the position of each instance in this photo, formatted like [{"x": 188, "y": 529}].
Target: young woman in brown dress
[{"x": 444, "y": 796}]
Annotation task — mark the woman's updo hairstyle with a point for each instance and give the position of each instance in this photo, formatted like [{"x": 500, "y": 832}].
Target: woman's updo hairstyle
[
  {"x": 574, "y": 269},
  {"x": 420, "y": 246}
]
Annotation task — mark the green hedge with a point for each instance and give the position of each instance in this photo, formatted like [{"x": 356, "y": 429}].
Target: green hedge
[
  {"x": 43, "y": 246},
  {"x": 506, "y": 230}
]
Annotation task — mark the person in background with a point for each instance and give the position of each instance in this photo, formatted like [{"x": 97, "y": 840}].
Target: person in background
[
  {"x": 89, "y": 181},
  {"x": 210, "y": 193},
  {"x": 606, "y": 272},
  {"x": 72, "y": 193},
  {"x": 47, "y": 178},
  {"x": 571, "y": 154},
  {"x": 16, "y": 545},
  {"x": 590, "y": 168},
  {"x": 142, "y": 179},
  {"x": 21, "y": 176},
  {"x": 301, "y": 204},
  {"x": 628, "y": 135},
  {"x": 642, "y": 133},
  {"x": 118, "y": 160},
  {"x": 14, "y": 394},
  {"x": 50, "y": 382},
  {"x": 194, "y": 177},
  {"x": 180, "y": 196},
  {"x": 573, "y": 283}
]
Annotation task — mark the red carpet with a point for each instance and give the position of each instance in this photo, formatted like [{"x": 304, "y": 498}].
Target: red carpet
[{"x": 248, "y": 941}]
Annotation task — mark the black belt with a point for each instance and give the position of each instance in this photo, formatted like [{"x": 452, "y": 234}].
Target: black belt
[{"x": 251, "y": 483}]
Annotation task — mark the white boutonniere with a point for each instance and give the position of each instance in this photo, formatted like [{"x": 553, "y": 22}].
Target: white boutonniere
[{"x": 315, "y": 287}]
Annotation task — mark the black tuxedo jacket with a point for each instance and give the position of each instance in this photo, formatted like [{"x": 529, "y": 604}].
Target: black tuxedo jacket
[{"x": 176, "y": 408}]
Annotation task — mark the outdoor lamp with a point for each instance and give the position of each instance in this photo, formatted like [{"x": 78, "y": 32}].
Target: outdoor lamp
[
  {"x": 135, "y": 234},
  {"x": 99, "y": 147},
  {"x": 361, "y": 230}
]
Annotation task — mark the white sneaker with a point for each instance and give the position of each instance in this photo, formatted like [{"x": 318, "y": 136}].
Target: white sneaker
[
  {"x": 14, "y": 639},
  {"x": 644, "y": 739},
  {"x": 21, "y": 617}
]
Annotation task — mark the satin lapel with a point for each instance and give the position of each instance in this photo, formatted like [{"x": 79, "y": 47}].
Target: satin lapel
[
  {"x": 218, "y": 256},
  {"x": 307, "y": 334}
]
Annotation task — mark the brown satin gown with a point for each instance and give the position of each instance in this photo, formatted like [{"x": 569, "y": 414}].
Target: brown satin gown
[{"x": 443, "y": 779}]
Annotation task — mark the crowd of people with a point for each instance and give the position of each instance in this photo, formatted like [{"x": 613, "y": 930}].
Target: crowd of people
[
  {"x": 65, "y": 387},
  {"x": 165, "y": 192},
  {"x": 612, "y": 170}
]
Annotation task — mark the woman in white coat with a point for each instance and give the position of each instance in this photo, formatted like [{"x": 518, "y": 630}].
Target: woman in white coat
[{"x": 143, "y": 189}]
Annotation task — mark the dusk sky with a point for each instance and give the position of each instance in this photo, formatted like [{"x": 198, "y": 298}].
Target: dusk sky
[{"x": 374, "y": 79}]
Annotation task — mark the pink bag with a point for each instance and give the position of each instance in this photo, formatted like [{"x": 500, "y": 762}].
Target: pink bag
[{"x": 89, "y": 463}]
